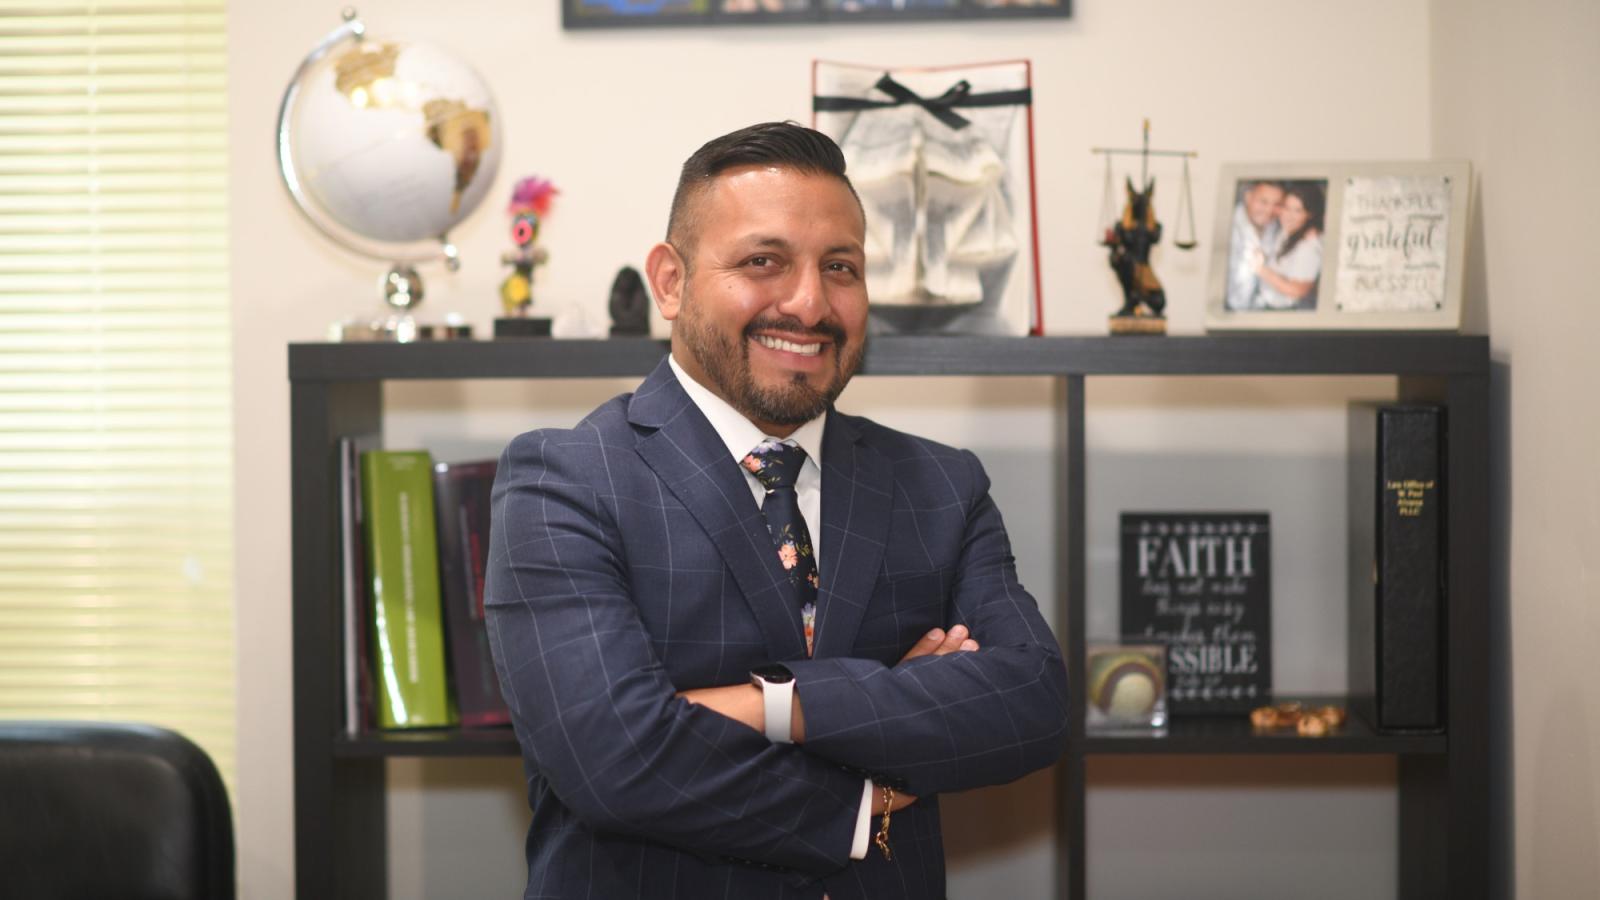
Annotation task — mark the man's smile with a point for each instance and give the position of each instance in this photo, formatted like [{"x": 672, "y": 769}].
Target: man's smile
[{"x": 776, "y": 343}]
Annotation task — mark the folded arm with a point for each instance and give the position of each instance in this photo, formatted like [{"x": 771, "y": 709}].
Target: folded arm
[
  {"x": 594, "y": 710},
  {"x": 743, "y": 702},
  {"x": 955, "y": 721}
]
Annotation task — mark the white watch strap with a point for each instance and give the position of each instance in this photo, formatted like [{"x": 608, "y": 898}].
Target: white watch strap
[{"x": 777, "y": 706}]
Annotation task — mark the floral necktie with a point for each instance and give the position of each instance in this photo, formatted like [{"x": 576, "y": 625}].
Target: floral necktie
[{"x": 776, "y": 465}]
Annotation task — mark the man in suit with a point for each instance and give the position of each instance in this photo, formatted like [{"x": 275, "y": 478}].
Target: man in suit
[
  {"x": 709, "y": 703},
  {"x": 1254, "y": 237}
]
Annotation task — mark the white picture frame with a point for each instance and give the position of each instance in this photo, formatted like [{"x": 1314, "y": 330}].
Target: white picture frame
[{"x": 1388, "y": 254}]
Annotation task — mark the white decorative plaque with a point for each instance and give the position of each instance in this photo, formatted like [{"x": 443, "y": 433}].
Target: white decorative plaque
[{"x": 1394, "y": 244}]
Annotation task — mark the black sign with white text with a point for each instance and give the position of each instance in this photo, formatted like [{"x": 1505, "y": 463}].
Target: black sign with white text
[{"x": 1201, "y": 583}]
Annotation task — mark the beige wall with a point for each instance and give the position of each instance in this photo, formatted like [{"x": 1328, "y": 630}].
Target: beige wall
[
  {"x": 1515, "y": 88},
  {"x": 609, "y": 115}
]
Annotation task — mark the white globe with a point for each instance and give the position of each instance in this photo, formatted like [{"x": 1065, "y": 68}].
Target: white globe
[{"x": 394, "y": 141}]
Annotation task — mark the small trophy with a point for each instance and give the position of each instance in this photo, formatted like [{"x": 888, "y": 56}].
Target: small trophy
[{"x": 530, "y": 203}]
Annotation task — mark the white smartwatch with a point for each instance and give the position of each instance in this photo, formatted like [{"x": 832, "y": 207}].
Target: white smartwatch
[{"x": 777, "y": 699}]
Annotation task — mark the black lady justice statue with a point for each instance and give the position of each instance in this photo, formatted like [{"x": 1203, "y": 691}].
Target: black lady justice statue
[
  {"x": 1135, "y": 233},
  {"x": 1130, "y": 240}
]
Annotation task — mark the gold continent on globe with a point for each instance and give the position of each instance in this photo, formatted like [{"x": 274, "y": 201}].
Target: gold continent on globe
[
  {"x": 366, "y": 76},
  {"x": 462, "y": 132}
]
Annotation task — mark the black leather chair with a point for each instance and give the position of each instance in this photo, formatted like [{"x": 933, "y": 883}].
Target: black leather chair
[{"x": 103, "y": 811}]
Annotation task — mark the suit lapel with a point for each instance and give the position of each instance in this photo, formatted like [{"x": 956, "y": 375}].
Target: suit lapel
[
  {"x": 683, "y": 450},
  {"x": 857, "y": 497}
]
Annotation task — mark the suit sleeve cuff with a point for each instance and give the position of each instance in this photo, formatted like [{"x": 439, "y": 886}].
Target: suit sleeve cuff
[{"x": 858, "y": 847}]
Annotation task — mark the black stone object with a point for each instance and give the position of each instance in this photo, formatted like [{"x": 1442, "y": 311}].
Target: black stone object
[{"x": 629, "y": 305}]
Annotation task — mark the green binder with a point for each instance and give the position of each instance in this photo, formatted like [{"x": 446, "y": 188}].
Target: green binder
[{"x": 403, "y": 565}]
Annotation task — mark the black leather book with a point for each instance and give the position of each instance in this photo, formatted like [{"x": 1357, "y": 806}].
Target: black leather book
[{"x": 1397, "y": 552}]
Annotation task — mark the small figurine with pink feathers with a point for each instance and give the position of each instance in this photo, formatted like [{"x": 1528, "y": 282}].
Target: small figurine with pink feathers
[{"x": 530, "y": 204}]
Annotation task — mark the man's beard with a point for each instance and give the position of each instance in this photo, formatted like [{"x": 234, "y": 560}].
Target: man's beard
[{"x": 728, "y": 366}]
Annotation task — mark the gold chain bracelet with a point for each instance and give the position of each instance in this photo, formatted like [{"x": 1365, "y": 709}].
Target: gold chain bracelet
[{"x": 882, "y": 838}]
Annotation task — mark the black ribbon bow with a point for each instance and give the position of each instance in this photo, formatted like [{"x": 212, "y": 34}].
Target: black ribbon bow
[
  {"x": 939, "y": 107},
  {"x": 942, "y": 107}
]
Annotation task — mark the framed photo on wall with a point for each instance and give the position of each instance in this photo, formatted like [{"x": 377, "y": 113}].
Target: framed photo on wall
[
  {"x": 1338, "y": 246},
  {"x": 649, "y": 13}
]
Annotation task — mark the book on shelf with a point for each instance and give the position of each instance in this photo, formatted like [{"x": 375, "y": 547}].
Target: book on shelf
[
  {"x": 403, "y": 574},
  {"x": 354, "y": 606},
  {"x": 461, "y": 500},
  {"x": 1397, "y": 551},
  {"x": 1201, "y": 583}
]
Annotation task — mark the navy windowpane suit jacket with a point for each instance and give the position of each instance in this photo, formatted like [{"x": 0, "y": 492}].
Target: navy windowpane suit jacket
[{"x": 629, "y": 561}]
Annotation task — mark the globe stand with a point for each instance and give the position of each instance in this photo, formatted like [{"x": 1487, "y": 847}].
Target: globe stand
[
  {"x": 402, "y": 290},
  {"x": 522, "y": 327}
]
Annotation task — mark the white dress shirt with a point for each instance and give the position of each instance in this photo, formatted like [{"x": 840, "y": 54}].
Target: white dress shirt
[{"x": 741, "y": 436}]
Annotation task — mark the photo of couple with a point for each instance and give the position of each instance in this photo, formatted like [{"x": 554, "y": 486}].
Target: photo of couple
[{"x": 1275, "y": 252}]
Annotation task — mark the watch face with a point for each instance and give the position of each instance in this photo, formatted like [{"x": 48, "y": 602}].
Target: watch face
[{"x": 773, "y": 674}]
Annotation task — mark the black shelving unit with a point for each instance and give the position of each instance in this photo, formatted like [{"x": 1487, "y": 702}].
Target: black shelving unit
[{"x": 1443, "y": 826}]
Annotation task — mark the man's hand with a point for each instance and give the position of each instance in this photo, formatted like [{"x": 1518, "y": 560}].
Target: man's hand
[{"x": 939, "y": 642}]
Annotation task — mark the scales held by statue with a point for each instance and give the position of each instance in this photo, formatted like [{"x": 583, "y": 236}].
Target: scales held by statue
[{"x": 1131, "y": 236}]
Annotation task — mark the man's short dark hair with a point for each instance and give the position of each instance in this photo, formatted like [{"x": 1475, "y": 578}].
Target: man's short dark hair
[{"x": 787, "y": 145}]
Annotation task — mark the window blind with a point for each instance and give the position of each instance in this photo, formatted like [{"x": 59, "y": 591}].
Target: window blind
[{"x": 115, "y": 423}]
